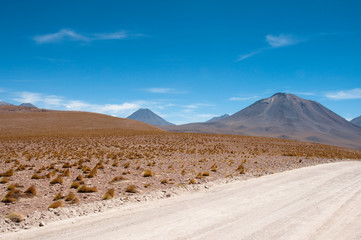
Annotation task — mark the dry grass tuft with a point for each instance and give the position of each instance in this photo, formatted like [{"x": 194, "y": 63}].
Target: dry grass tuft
[
  {"x": 76, "y": 200},
  {"x": 93, "y": 172},
  {"x": 192, "y": 181},
  {"x": 8, "y": 173},
  {"x": 4, "y": 180},
  {"x": 109, "y": 194},
  {"x": 56, "y": 204},
  {"x": 70, "y": 197},
  {"x": 131, "y": 189},
  {"x": 148, "y": 173},
  {"x": 31, "y": 191},
  {"x": 241, "y": 169},
  {"x": 205, "y": 174},
  {"x": 57, "y": 180},
  {"x": 199, "y": 175},
  {"x": 118, "y": 179},
  {"x": 58, "y": 196},
  {"x": 37, "y": 176},
  {"x": 12, "y": 196},
  {"x": 86, "y": 189},
  {"x": 79, "y": 178},
  {"x": 15, "y": 217},
  {"x": 75, "y": 185},
  {"x": 164, "y": 181},
  {"x": 66, "y": 173}
]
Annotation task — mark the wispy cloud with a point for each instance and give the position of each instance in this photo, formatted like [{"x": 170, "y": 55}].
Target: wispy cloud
[
  {"x": 281, "y": 40},
  {"x": 243, "y": 98},
  {"x": 59, "y": 102},
  {"x": 274, "y": 41},
  {"x": 2, "y": 90},
  {"x": 159, "y": 90},
  {"x": 345, "y": 95},
  {"x": 71, "y": 35}
]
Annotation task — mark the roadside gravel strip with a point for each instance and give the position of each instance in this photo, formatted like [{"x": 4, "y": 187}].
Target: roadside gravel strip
[{"x": 318, "y": 202}]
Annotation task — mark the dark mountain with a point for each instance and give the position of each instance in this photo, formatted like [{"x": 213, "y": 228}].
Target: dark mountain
[
  {"x": 27, "y": 105},
  {"x": 284, "y": 116},
  {"x": 218, "y": 118},
  {"x": 3, "y": 103},
  {"x": 357, "y": 121},
  {"x": 147, "y": 116}
]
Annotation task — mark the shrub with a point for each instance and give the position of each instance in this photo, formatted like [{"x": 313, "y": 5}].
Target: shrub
[
  {"x": 148, "y": 173},
  {"x": 57, "y": 180},
  {"x": 199, "y": 176},
  {"x": 79, "y": 178},
  {"x": 75, "y": 185},
  {"x": 76, "y": 200},
  {"x": 15, "y": 217},
  {"x": 37, "y": 176},
  {"x": 66, "y": 173},
  {"x": 117, "y": 179},
  {"x": 109, "y": 194},
  {"x": 131, "y": 189},
  {"x": 8, "y": 173},
  {"x": 31, "y": 191},
  {"x": 92, "y": 173},
  {"x": 240, "y": 169},
  {"x": 192, "y": 181},
  {"x": 164, "y": 181},
  {"x": 70, "y": 197},
  {"x": 56, "y": 204},
  {"x": 12, "y": 196},
  {"x": 58, "y": 196},
  {"x": 86, "y": 189},
  {"x": 4, "y": 180},
  {"x": 205, "y": 174}
]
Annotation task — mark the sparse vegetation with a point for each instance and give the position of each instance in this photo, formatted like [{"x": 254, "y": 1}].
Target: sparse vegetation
[
  {"x": 109, "y": 194},
  {"x": 106, "y": 160},
  {"x": 15, "y": 217},
  {"x": 131, "y": 189},
  {"x": 57, "y": 180},
  {"x": 86, "y": 189},
  {"x": 31, "y": 191},
  {"x": 148, "y": 173},
  {"x": 56, "y": 204}
]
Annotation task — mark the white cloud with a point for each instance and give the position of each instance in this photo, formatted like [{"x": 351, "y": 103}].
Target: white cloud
[
  {"x": 64, "y": 34},
  {"x": 159, "y": 90},
  {"x": 58, "y": 102},
  {"x": 243, "y": 57},
  {"x": 344, "y": 95},
  {"x": 242, "y": 98},
  {"x": 71, "y": 35},
  {"x": 274, "y": 41},
  {"x": 281, "y": 40}
]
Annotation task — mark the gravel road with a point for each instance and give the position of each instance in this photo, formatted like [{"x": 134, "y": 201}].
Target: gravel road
[{"x": 319, "y": 202}]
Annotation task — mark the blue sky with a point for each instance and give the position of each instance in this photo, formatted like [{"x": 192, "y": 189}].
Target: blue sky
[{"x": 185, "y": 60}]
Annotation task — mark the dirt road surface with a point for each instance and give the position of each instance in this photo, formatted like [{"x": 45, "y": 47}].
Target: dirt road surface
[{"x": 319, "y": 202}]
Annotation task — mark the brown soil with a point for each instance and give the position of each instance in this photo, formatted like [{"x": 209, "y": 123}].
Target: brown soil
[{"x": 176, "y": 158}]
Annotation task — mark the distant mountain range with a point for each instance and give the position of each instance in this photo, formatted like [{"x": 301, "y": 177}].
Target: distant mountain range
[
  {"x": 218, "y": 118},
  {"x": 27, "y": 105},
  {"x": 357, "y": 121},
  {"x": 147, "y": 116},
  {"x": 3, "y": 103},
  {"x": 283, "y": 116}
]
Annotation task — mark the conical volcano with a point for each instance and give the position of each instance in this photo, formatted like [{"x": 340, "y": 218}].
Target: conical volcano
[
  {"x": 147, "y": 116},
  {"x": 285, "y": 116}
]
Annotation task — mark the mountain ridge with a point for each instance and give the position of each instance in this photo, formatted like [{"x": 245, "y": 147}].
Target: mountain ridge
[
  {"x": 284, "y": 116},
  {"x": 147, "y": 116}
]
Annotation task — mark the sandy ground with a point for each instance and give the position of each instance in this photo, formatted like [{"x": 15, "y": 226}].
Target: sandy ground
[{"x": 318, "y": 202}]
